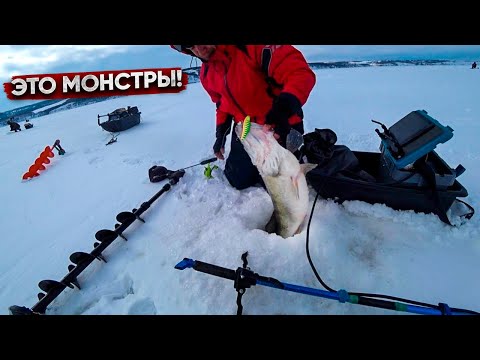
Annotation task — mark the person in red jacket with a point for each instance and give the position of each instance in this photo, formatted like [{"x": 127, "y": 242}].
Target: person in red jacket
[{"x": 269, "y": 83}]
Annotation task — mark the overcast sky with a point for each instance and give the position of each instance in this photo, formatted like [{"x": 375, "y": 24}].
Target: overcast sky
[{"x": 42, "y": 59}]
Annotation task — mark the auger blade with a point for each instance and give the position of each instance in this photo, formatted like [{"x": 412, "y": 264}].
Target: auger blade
[
  {"x": 47, "y": 285},
  {"x": 80, "y": 257},
  {"x": 126, "y": 217},
  {"x": 19, "y": 310},
  {"x": 105, "y": 235}
]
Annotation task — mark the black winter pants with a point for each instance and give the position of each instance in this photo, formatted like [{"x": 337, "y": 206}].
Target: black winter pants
[{"x": 239, "y": 170}]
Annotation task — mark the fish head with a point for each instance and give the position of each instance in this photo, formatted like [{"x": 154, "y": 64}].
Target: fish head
[{"x": 259, "y": 142}]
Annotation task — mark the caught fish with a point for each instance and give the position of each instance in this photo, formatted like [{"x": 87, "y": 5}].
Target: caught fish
[{"x": 283, "y": 175}]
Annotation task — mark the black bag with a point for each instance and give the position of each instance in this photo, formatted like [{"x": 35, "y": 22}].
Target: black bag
[{"x": 332, "y": 160}]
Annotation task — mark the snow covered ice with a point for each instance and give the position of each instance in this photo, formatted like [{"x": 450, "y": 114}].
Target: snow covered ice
[{"x": 355, "y": 246}]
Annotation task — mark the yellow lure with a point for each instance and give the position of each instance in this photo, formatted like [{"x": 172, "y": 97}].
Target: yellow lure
[{"x": 245, "y": 127}]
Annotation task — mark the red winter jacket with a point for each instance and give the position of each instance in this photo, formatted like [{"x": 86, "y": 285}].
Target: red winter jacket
[{"x": 236, "y": 83}]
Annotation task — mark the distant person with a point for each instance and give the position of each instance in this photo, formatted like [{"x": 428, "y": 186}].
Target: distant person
[
  {"x": 474, "y": 65},
  {"x": 14, "y": 126}
]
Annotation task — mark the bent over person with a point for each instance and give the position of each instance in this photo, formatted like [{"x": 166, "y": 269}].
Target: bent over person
[
  {"x": 269, "y": 83},
  {"x": 14, "y": 126}
]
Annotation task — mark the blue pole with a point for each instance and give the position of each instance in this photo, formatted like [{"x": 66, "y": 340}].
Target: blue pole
[
  {"x": 351, "y": 298},
  {"x": 341, "y": 295}
]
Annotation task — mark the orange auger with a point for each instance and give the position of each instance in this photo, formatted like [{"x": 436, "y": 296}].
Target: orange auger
[{"x": 43, "y": 159}]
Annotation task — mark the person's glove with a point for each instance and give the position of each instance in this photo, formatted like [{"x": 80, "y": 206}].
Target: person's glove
[
  {"x": 284, "y": 106},
  {"x": 219, "y": 143},
  {"x": 221, "y": 137}
]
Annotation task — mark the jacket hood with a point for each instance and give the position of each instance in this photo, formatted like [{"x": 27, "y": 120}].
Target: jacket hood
[{"x": 182, "y": 49}]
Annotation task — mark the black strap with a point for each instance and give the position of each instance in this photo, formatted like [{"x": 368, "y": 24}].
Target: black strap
[
  {"x": 468, "y": 215},
  {"x": 428, "y": 173},
  {"x": 444, "y": 309},
  {"x": 240, "y": 293},
  {"x": 206, "y": 67},
  {"x": 241, "y": 289},
  {"x": 266, "y": 58},
  {"x": 265, "y": 64}
]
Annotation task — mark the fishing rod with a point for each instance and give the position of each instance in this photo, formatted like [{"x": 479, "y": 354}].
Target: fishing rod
[
  {"x": 160, "y": 173},
  {"x": 244, "y": 278}
]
